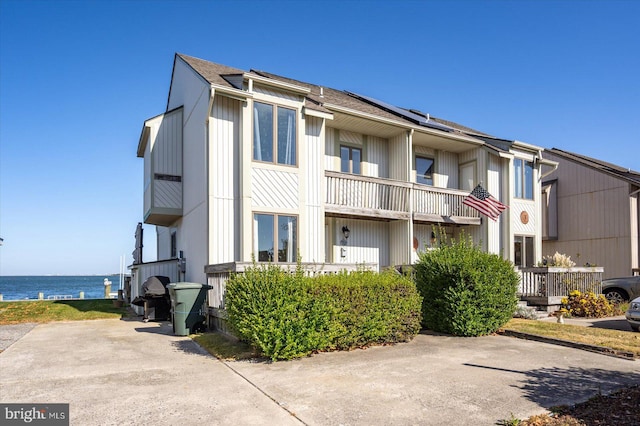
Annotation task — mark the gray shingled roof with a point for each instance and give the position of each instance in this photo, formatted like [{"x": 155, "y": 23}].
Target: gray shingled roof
[
  {"x": 214, "y": 73},
  {"x": 629, "y": 175}
]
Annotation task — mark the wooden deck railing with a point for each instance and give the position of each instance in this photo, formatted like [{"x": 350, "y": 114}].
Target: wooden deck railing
[
  {"x": 551, "y": 282},
  {"x": 366, "y": 193},
  {"x": 368, "y": 196}
]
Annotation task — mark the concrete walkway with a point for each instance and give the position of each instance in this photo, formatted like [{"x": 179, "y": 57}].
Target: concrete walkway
[{"x": 130, "y": 372}]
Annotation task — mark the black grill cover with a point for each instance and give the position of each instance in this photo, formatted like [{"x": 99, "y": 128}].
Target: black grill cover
[{"x": 155, "y": 286}]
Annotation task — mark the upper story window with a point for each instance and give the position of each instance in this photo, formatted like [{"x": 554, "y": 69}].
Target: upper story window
[
  {"x": 424, "y": 170},
  {"x": 274, "y": 123},
  {"x": 523, "y": 172},
  {"x": 350, "y": 160}
]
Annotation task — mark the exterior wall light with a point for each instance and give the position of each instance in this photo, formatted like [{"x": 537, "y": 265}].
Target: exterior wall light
[{"x": 346, "y": 232}]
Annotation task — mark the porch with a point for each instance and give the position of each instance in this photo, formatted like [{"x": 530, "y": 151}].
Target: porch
[
  {"x": 386, "y": 199},
  {"x": 546, "y": 286}
]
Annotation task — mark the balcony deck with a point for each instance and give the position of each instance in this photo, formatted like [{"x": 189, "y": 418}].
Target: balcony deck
[{"x": 386, "y": 199}]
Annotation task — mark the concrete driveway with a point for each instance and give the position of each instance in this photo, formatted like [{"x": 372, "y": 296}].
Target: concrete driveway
[{"x": 130, "y": 372}]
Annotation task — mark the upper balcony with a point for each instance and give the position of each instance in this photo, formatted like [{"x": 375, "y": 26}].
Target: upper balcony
[
  {"x": 385, "y": 199},
  {"x": 161, "y": 147}
]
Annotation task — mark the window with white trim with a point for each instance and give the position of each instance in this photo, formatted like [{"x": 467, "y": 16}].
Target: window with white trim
[
  {"x": 275, "y": 237},
  {"x": 523, "y": 254},
  {"x": 424, "y": 170},
  {"x": 274, "y": 134},
  {"x": 350, "y": 159},
  {"x": 523, "y": 173}
]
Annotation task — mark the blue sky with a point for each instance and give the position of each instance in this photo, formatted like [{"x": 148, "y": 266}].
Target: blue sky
[{"x": 78, "y": 78}]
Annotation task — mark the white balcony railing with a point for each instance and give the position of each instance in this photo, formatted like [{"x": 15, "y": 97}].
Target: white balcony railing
[{"x": 376, "y": 197}]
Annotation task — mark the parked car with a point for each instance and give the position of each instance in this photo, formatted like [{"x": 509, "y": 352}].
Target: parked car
[
  {"x": 618, "y": 290},
  {"x": 633, "y": 314}
]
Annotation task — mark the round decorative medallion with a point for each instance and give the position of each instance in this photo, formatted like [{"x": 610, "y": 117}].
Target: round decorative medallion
[{"x": 524, "y": 217}]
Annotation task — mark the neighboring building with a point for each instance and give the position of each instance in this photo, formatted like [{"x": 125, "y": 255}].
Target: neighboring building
[
  {"x": 250, "y": 165},
  {"x": 591, "y": 213}
]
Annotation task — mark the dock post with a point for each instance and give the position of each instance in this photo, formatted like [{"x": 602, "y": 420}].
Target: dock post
[{"x": 82, "y": 295}]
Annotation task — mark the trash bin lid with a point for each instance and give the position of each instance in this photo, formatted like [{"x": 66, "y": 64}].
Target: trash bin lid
[{"x": 185, "y": 285}]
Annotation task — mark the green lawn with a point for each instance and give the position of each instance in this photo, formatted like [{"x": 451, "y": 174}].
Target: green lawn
[
  {"x": 41, "y": 311},
  {"x": 614, "y": 339}
]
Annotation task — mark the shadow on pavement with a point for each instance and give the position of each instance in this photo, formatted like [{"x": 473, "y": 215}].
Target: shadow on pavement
[
  {"x": 551, "y": 387},
  {"x": 617, "y": 324}
]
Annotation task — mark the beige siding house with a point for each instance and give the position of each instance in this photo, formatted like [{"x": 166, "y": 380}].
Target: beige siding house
[
  {"x": 591, "y": 213},
  {"x": 250, "y": 165}
]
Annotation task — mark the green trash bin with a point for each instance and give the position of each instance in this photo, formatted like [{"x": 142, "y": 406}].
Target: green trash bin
[{"x": 186, "y": 306}]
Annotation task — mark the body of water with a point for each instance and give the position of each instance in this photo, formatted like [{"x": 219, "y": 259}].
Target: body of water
[{"x": 28, "y": 287}]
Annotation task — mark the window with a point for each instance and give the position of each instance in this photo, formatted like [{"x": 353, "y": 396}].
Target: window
[
  {"x": 174, "y": 245},
  {"x": 269, "y": 123},
  {"x": 523, "y": 251},
  {"x": 523, "y": 172},
  {"x": 275, "y": 238},
  {"x": 350, "y": 159},
  {"x": 424, "y": 170}
]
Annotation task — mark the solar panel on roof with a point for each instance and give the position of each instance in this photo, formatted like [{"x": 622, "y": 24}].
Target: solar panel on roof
[{"x": 418, "y": 119}]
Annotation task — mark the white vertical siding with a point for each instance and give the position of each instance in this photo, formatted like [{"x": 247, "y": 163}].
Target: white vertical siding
[
  {"x": 330, "y": 154},
  {"x": 224, "y": 191},
  {"x": 312, "y": 237},
  {"x": 398, "y": 158},
  {"x": 399, "y": 242},
  {"x": 495, "y": 188},
  {"x": 377, "y": 157},
  {"x": 192, "y": 93},
  {"x": 167, "y": 146},
  {"x": 368, "y": 242},
  {"x": 446, "y": 175}
]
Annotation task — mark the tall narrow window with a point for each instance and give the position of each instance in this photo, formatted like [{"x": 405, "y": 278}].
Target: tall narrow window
[
  {"x": 350, "y": 160},
  {"x": 424, "y": 170},
  {"x": 523, "y": 255},
  {"x": 523, "y": 178},
  {"x": 274, "y": 123},
  {"x": 275, "y": 238},
  {"x": 174, "y": 245}
]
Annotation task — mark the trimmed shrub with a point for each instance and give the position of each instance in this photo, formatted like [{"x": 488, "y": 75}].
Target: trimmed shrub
[
  {"x": 369, "y": 308},
  {"x": 287, "y": 315},
  {"x": 465, "y": 291},
  {"x": 587, "y": 305},
  {"x": 275, "y": 311}
]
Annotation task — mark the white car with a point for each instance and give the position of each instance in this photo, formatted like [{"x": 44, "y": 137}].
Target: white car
[{"x": 633, "y": 314}]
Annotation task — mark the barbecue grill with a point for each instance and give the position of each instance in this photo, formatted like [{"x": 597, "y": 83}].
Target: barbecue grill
[{"x": 155, "y": 299}]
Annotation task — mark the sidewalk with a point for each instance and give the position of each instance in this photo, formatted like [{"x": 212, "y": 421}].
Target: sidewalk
[{"x": 129, "y": 372}]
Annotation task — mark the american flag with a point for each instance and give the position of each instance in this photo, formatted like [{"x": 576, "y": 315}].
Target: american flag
[{"x": 481, "y": 200}]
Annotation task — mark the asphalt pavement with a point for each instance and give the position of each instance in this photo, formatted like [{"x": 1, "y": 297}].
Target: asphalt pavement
[{"x": 119, "y": 372}]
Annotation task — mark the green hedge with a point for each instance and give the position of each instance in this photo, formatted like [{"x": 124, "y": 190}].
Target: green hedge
[
  {"x": 287, "y": 315},
  {"x": 466, "y": 292}
]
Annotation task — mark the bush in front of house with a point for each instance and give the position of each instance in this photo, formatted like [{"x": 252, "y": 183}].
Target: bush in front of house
[
  {"x": 587, "y": 304},
  {"x": 287, "y": 315},
  {"x": 465, "y": 291},
  {"x": 275, "y": 311},
  {"x": 369, "y": 308}
]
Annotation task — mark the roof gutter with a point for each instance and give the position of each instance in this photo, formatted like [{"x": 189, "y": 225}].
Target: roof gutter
[{"x": 417, "y": 128}]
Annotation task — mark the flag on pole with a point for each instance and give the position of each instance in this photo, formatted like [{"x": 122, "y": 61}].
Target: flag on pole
[{"x": 485, "y": 203}]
